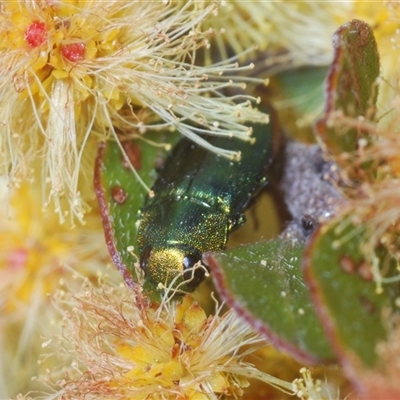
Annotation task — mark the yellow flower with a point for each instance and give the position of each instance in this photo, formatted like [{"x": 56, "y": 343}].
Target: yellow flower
[
  {"x": 37, "y": 255},
  {"x": 125, "y": 347},
  {"x": 37, "y": 251},
  {"x": 69, "y": 66},
  {"x": 291, "y": 33}
]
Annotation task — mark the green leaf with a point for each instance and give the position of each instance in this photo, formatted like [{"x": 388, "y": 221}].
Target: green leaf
[
  {"x": 351, "y": 87},
  {"x": 263, "y": 282},
  {"x": 344, "y": 292},
  {"x": 120, "y": 194}
]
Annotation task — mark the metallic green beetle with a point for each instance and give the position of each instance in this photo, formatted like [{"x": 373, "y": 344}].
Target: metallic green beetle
[{"x": 199, "y": 198}]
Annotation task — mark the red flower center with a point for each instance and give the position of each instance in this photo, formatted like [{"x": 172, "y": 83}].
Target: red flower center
[
  {"x": 73, "y": 51},
  {"x": 36, "y": 33}
]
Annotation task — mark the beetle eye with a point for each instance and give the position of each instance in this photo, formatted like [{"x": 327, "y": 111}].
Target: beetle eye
[
  {"x": 193, "y": 275},
  {"x": 144, "y": 258},
  {"x": 189, "y": 261}
]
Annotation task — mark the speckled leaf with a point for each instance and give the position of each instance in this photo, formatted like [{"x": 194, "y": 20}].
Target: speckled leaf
[
  {"x": 344, "y": 292},
  {"x": 263, "y": 282},
  {"x": 120, "y": 194},
  {"x": 351, "y": 86}
]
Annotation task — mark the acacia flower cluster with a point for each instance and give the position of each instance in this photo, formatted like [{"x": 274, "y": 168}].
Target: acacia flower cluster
[
  {"x": 36, "y": 256},
  {"x": 76, "y": 69},
  {"x": 288, "y": 34},
  {"x": 123, "y": 346}
]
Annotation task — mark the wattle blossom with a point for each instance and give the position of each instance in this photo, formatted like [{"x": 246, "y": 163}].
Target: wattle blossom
[
  {"x": 38, "y": 256},
  {"x": 76, "y": 71},
  {"x": 286, "y": 33},
  {"x": 121, "y": 345}
]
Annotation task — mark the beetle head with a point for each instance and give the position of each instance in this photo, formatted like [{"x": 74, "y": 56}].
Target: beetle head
[{"x": 173, "y": 267}]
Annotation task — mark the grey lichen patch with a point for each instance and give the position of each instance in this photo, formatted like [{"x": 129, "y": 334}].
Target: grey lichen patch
[{"x": 309, "y": 186}]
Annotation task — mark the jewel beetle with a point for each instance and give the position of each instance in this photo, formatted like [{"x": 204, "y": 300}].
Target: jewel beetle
[{"x": 199, "y": 198}]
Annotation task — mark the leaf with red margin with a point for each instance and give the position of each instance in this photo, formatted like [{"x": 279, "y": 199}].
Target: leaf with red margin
[
  {"x": 120, "y": 195},
  {"x": 351, "y": 86},
  {"x": 263, "y": 282},
  {"x": 345, "y": 295}
]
